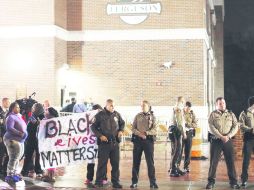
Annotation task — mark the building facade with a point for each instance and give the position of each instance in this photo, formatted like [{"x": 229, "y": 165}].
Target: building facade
[{"x": 124, "y": 49}]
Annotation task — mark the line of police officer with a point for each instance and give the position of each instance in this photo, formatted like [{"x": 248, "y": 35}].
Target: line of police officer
[
  {"x": 181, "y": 133},
  {"x": 108, "y": 126},
  {"x": 223, "y": 127},
  {"x": 246, "y": 120}
]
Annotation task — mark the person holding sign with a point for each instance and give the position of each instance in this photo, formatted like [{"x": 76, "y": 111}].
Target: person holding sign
[
  {"x": 50, "y": 113},
  {"x": 108, "y": 127},
  {"x": 31, "y": 144},
  {"x": 91, "y": 163}
]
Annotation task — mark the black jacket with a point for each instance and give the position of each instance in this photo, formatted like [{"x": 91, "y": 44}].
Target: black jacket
[
  {"x": 2, "y": 124},
  {"x": 32, "y": 128},
  {"x": 107, "y": 124},
  {"x": 69, "y": 107}
]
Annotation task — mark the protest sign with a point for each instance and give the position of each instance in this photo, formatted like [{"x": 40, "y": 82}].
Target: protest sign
[{"x": 67, "y": 140}]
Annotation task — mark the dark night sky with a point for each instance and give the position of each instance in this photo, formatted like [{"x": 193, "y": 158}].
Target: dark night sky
[
  {"x": 239, "y": 53},
  {"x": 239, "y": 16}
]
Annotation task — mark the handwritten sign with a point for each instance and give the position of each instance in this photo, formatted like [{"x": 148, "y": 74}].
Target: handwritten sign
[{"x": 67, "y": 140}]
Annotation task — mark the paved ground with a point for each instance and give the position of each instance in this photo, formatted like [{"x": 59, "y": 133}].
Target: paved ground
[{"x": 72, "y": 177}]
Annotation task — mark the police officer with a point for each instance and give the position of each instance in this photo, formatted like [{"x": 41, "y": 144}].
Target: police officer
[
  {"x": 223, "y": 126},
  {"x": 246, "y": 120},
  {"x": 178, "y": 134},
  {"x": 144, "y": 134},
  {"x": 190, "y": 126},
  {"x": 108, "y": 127},
  {"x": 4, "y": 158}
]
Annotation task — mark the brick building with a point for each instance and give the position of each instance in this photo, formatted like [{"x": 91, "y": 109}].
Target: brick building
[{"x": 126, "y": 50}]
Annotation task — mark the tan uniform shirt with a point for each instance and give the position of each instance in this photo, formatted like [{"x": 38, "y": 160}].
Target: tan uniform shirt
[
  {"x": 178, "y": 119},
  {"x": 246, "y": 120},
  {"x": 191, "y": 121},
  {"x": 144, "y": 123},
  {"x": 221, "y": 124}
]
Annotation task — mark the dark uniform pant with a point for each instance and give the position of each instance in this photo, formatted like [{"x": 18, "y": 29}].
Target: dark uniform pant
[
  {"x": 216, "y": 148},
  {"x": 248, "y": 148},
  {"x": 30, "y": 148},
  {"x": 176, "y": 149},
  {"x": 4, "y": 158},
  {"x": 186, "y": 148},
  {"x": 148, "y": 147},
  {"x": 108, "y": 151}
]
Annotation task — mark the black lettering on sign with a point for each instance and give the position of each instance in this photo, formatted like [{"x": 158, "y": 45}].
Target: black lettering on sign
[
  {"x": 68, "y": 155},
  {"x": 76, "y": 154},
  {"x": 60, "y": 129},
  {"x": 79, "y": 125},
  {"x": 44, "y": 157},
  {"x": 82, "y": 153},
  {"x": 51, "y": 129},
  {"x": 60, "y": 156},
  {"x": 71, "y": 127},
  {"x": 54, "y": 159},
  {"x": 90, "y": 153}
]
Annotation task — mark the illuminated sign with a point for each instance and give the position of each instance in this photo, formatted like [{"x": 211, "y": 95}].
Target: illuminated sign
[{"x": 134, "y": 11}]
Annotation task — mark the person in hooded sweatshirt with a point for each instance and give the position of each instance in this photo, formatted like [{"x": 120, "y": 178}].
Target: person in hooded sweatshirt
[
  {"x": 14, "y": 139},
  {"x": 31, "y": 144}
]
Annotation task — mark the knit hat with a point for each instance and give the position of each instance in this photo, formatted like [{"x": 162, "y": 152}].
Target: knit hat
[
  {"x": 188, "y": 104},
  {"x": 97, "y": 107},
  {"x": 251, "y": 101},
  {"x": 53, "y": 112},
  {"x": 38, "y": 109}
]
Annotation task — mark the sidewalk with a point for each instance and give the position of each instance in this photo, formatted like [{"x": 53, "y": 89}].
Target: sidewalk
[{"x": 72, "y": 177}]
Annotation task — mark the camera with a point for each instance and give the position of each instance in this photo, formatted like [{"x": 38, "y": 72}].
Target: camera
[{"x": 26, "y": 104}]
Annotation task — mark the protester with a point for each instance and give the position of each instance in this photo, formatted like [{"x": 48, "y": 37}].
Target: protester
[
  {"x": 46, "y": 104},
  {"x": 69, "y": 107},
  {"x": 14, "y": 139},
  {"x": 50, "y": 176},
  {"x": 4, "y": 158},
  {"x": 80, "y": 107},
  {"x": 91, "y": 163},
  {"x": 31, "y": 144}
]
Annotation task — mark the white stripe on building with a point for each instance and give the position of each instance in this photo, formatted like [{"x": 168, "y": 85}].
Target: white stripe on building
[{"x": 103, "y": 35}]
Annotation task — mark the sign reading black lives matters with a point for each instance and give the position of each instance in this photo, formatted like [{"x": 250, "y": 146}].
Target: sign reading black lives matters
[
  {"x": 67, "y": 140},
  {"x": 133, "y": 11}
]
